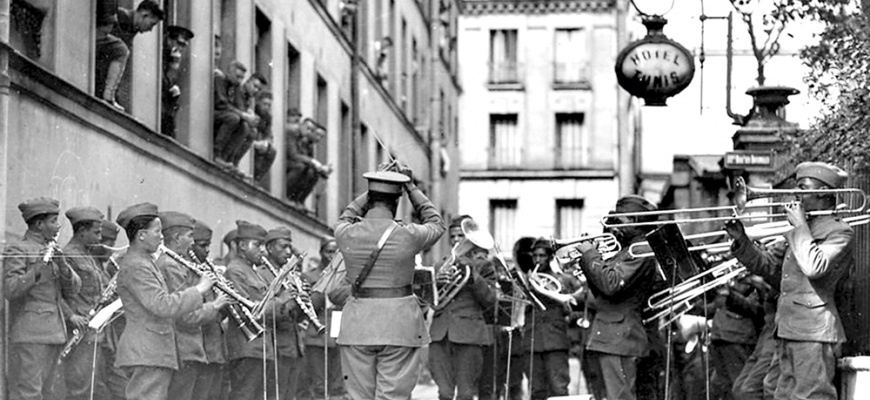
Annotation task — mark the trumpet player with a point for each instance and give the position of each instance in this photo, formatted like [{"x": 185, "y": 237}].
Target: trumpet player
[
  {"x": 620, "y": 285},
  {"x": 545, "y": 342},
  {"x": 818, "y": 256},
  {"x": 247, "y": 358},
  {"x": 459, "y": 331},
  {"x": 178, "y": 237},
  {"x": 85, "y": 359},
  {"x": 288, "y": 343},
  {"x": 34, "y": 285},
  {"x": 147, "y": 347}
]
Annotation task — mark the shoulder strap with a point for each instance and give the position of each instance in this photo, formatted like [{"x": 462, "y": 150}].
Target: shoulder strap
[{"x": 373, "y": 257}]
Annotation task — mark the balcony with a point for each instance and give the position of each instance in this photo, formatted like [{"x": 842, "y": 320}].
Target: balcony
[
  {"x": 505, "y": 75},
  {"x": 571, "y": 76}
]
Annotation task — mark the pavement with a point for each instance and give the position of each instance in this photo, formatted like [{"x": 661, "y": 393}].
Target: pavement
[{"x": 577, "y": 387}]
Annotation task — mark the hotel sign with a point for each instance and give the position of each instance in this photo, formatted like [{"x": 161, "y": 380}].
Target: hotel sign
[
  {"x": 748, "y": 159},
  {"x": 655, "y": 67}
]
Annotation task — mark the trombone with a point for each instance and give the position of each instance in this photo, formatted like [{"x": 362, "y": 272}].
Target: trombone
[
  {"x": 755, "y": 232},
  {"x": 744, "y": 194}
]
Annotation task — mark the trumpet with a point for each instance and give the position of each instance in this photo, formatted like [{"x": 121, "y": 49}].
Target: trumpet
[
  {"x": 250, "y": 327},
  {"x": 743, "y": 194},
  {"x": 549, "y": 286},
  {"x": 566, "y": 249}
]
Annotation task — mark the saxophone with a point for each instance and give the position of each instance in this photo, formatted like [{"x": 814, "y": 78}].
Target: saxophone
[
  {"x": 107, "y": 297},
  {"x": 242, "y": 316},
  {"x": 294, "y": 284}
]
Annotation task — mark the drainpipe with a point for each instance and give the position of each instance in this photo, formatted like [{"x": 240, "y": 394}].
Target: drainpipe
[{"x": 4, "y": 149}]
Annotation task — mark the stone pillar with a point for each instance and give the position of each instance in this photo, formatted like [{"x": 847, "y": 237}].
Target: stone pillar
[{"x": 194, "y": 121}]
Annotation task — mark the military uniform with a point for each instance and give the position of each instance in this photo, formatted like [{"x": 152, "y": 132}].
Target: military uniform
[
  {"x": 84, "y": 359},
  {"x": 247, "y": 357},
  {"x": 382, "y": 326},
  {"x": 734, "y": 333},
  {"x": 459, "y": 333},
  {"x": 620, "y": 285},
  {"x": 188, "y": 327},
  {"x": 808, "y": 327},
  {"x": 37, "y": 328},
  {"x": 148, "y": 344}
]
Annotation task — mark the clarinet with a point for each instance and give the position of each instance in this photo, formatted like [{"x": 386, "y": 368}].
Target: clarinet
[
  {"x": 242, "y": 316},
  {"x": 220, "y": 284},
  {"x": 297, "y": 287}
]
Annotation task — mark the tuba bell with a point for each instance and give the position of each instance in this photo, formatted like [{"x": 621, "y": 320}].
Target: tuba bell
[{"x": 460, "y": 274}]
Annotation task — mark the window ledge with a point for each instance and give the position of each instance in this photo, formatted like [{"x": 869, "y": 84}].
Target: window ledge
[
  {"x": 526, "y": 174},
  {"x": 516, "y": 86},
  {"x": 580, "y": 85}
]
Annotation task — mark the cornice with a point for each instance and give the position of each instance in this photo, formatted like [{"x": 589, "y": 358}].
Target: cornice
[{"x": 485, "y": 7}]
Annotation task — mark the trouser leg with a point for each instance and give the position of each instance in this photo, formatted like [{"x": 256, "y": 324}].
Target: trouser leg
[
  {"x": 288, "y": 376},
  {"x": 80, "y": 366},
  {"x": 184, "y": 379},
  {"x": 441, "y": 368},
  {"x": 148, "y": 383},
  {"x": 557, "y": 371},
  {"x": 397, "y": 371},
  {"x": 619, "y": 376},
  {"x": 208, "y": 382},
  {"x": 31, "y": 370},
  {"x": 359, "y": 369},
  {"x": 247, "y": 379},
  {"x": 467, "y": 364},
  {"x": 807, "y": 370}
]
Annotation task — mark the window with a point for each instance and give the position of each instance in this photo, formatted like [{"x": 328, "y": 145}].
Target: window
[
  {"x": 403, "y": 68},
  {"x": 415, "y": 86},
  {"x": 392, "y": 49},
  {"x": 503, "y": 66},
  {"x": 569, "y": 218},
  {"x": 294, "y": 78},
  {"x": 569, "y": 65},
  {"x": 502, "y": 221},
  {"x": 25, "y": 33},
  {"x": 361, "y": 158},
  {"x": 263, "y": 49},
  {"x": 505, "y": 148},
  {"x": 572, "y": 141},
  {"x": 321, "y": 116}
]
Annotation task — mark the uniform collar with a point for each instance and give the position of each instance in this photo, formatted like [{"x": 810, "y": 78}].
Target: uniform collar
[
  {"x": 379, "y": 213},
  {"x": 35, "y": 236}
]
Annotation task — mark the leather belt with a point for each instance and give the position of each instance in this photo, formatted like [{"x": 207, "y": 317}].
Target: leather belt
[{"x": 384, "y": 293}]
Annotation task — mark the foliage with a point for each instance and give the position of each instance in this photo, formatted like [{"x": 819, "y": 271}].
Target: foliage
[
  {"x": 839, "y": 77},
  {"x": 766, "y": 21}
]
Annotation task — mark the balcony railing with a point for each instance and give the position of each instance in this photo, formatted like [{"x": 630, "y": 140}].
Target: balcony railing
[
  {"x": 567, "y": 73},
  {"x": 505, "y": 72}
]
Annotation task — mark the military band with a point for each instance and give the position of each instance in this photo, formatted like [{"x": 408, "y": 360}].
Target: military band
[{"x": 251, "y": 324}]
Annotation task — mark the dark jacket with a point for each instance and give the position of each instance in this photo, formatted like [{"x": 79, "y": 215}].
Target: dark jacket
[
  {"x": 35, "y": 311},
  {"x": 738, "y": 315},
  {"x": 819, "y": 256},
  {"x": 621, "y": 286},
  {"x": 461, "y": 321},
  {"x": 251, "y": 285}
]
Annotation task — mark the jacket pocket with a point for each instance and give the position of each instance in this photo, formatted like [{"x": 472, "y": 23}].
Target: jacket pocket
[{"x": 808, "y": 314}]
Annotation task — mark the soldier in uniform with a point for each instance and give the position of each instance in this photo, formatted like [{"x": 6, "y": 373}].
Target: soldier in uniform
[
  {"x": 34, "y": 288},
  {"x": 288, "y": 344},
  {"x": 322, "y": 357},
  {"x": 382, "y": 326},
  {"x": 147, "y": 347},
  {"x": 115, "y": 378},
  {"x": 620, "y": 286},
  {"x": 178, "y": 237},
  {"x": 458, "y": 330},
  {"x": 211, "y": 374},
  {"x": 84, "y": 359},
  {"x": 734, "y": 333},
  {"x": 818, "y": 257},
  {"x": 246, "y": 370},
  {"x": 545, "y": 341},
  {"x": 176, "y": 40}
]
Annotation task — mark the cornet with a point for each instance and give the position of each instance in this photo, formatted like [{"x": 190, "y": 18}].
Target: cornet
[{"x": 566, "y": 249}]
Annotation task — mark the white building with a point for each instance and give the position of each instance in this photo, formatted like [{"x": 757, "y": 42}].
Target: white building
[{"x": 540, "y": 124}]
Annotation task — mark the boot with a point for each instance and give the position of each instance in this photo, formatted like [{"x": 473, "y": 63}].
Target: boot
[{"x": 113, "y": 79}]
